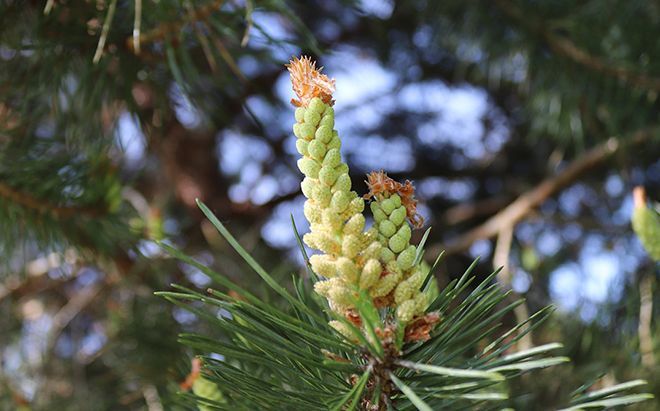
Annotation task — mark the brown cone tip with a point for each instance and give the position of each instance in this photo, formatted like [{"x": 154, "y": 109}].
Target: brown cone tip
[
  {"x": 195, "y": 370},
  {"x": 639, "y": 197},
  {"x": 308, "y": 82}
]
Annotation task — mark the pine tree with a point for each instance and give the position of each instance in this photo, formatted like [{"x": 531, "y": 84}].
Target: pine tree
[
  {"x": 374, "y": 341},
  {"x": 571, "y": 96}
]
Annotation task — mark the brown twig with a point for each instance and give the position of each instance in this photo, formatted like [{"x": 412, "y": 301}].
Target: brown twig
[
  {"x": 565, "y": 47},
  {"x": 34, "y": 278},
  {"x": 531, "y": 199},
  {"x": 467, "y": 211},
  {"x": 501, "y": 259},
  {"x": 645, "y": 321},
  {"x": 70, "y": 310}
]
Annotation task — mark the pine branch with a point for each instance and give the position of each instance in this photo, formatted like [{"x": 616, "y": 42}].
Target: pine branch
[
  {"x": 566, "y": 48},
  {"x": 43, "y": 207},
  {"x": 172, "y": 30},
  {"x": 531, "y": 199}
]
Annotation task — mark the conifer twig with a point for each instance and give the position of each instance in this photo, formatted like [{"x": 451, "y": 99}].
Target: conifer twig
[
  {"x": 136, "y": 26},
  {"x": 565, "y": 47},
  {"x": 43, "y": 207},
  {"x": 531, "y": 199},
  {"x": 167, "y": 29},
  {"x": 104, "y": 32},
  {"x": 501, "y": 260}
]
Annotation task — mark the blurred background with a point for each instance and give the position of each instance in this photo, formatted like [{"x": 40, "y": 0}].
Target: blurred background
[{"x": 524, "y": 125}]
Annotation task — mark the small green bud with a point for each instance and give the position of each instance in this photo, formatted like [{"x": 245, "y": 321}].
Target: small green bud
[
  {"x": 300, "y": 114},
  {"x": 309, "y": 167},
  {"x": 323, "y": 134},
  {"x": 372, "y": 251},
  {"x": 305, "y": 131},
  {"x": 385, "y": 284},
  {"x": 332, "y": 158},
  {"x": 335, "y": 142},
  {"x": 347, "y": 269},
  {"x": 396, "y": 243},
  {"x": 341, "y": 296},
  {"x": 406, "y": 311},
  {"x": 321, "y": 195},
  {"x": 405, "y": 232},
  {"x": 329, "y": 111},
  {"x": 379, "y": 216},
  {"x": 342, "y": 168},
  {"x": 321, "y": 241},
  {"x": 387, "y": 228},
  {"x": 356, "y": 205},
  {"x": 343, "y": 183},
  {"x": 206, "y": 389},
  {"x": 398, "y": 216},
  {"x": 322, "y": 265},
  {"x": 331, "y": 220},
  {"x": 386, "y": 255},
  {"x": 418, "y": 277},
  {"x": 301, "y": 146},
  {"x": 396, "y": 199},
  {"x": 370, "y": 273},
  {"x": 350, "y": 247},
  {"x": 312, "y": 212},
  {"x": 344, "y": 330},
  {"x": 307, "y": 187},
  {"x": 322, "y": 287},
  {"x": 646, "y": 224},
  {"x": 340, "y": 200},
  {"x": 387, "y": 206},
  {"x": 312, "y": 117},
  {"x": 403, "y": 292},
  {"x": 329, "y": 122},
  {"x": 374, "y": 206},
  {"x": 406, "y": 259},
  {"x": 316, "y": 105},
  {"x": 355, "y": 224},
  {"x": 316, "y": 149},
  {"x": 328, "y": 175},
  {"x": 421, "y": 302}
]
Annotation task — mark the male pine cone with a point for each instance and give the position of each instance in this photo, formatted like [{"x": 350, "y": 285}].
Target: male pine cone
[{"x": 378, "y": 260}]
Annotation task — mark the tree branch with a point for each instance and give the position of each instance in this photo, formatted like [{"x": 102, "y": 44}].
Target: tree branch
[
  {"x": 531, "y": 199},
  {"x": 173, "y": 29},
  {"x": 43, "y": 207},
  {"x": 565, "y": 47},
  {"x": 645, "y": 320}
]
